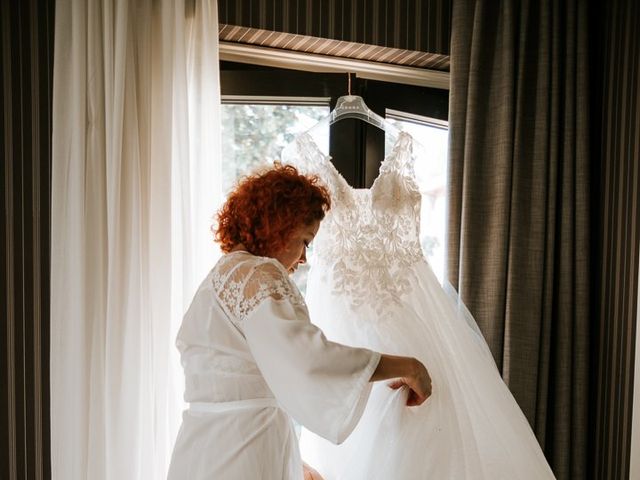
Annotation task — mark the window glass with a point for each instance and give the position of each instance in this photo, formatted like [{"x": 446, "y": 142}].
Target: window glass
[
  {"x": 254, "y": 136},
  {"x": 431, "y": 174}
]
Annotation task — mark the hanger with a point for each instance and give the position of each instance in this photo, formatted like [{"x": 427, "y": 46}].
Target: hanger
[{"x": 353, "y": 106}]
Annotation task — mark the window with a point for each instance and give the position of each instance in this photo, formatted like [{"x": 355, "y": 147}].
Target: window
[
  {"x": 431, "y": 174},
  {"x": 265, "y": 108},
  {"x": 254, "y": 134}
]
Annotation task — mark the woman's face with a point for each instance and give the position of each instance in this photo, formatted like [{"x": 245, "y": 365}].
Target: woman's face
[{"x": 294, "y": 252}]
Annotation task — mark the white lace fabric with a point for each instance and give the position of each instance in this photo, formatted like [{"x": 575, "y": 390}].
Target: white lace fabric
[
  {"x": 242, "y": 281},
  {"x": 370, "y": 237}
]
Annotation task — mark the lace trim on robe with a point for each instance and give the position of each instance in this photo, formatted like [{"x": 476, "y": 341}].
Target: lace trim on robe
[{"x": 243, "y": 281}]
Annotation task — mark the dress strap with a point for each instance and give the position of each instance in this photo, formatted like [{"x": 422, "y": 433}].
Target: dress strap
[{"x": 400, "y": 158}]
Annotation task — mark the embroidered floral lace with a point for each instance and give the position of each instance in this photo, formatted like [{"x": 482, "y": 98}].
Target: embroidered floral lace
[{"x": 370, "y": 236}]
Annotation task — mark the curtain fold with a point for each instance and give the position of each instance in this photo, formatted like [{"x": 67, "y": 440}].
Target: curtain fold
[
  {"x": 135, "y": 181},
  {"x": 518, "y": 233}
]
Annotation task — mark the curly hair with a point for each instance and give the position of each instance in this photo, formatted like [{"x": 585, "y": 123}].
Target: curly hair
[{"x": 264, "y": 209}]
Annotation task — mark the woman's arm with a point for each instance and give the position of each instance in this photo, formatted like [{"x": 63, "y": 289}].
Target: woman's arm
[
  {"x": 310, "y": 473},
  {"x": 405, "y": 371}
]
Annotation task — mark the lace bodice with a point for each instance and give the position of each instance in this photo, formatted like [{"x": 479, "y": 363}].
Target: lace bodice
[
  {"x": 370, "y": 236},
  {"x": 241, "y": 281}
]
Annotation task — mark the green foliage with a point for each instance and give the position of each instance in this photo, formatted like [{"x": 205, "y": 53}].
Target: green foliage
[{"x": 254, "y": 135}]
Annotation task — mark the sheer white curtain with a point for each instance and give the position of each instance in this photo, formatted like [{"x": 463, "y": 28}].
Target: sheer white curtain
[{"x": 135, "y": 183}]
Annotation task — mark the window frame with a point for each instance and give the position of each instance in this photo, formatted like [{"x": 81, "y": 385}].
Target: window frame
[{"x": 356, "y": 148}]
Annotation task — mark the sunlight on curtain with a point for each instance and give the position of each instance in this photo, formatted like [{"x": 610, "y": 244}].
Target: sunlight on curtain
[{"x": 135, "y": 183}]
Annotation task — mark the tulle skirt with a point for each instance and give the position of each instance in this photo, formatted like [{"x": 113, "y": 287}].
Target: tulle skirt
[{"x": 470, "y": 428}]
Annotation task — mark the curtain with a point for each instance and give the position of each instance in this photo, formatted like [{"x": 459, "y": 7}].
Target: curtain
[
  {"x": 26, "y": 68},
  {"x": 518, "y": 233},
  {"x": 616, "y": 173},
  {"x": 418, "y": 25},
  {"x": 135, "y": 182}
]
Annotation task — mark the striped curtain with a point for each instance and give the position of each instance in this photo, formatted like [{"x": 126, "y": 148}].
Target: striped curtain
[
  {"x": 421, "y": 25},
  {"x": 617, "y": 139},
  {"x": 519, "y": 196},
  {"x": 27, "y": 62}
]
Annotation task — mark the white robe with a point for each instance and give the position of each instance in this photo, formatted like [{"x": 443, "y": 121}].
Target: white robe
[{"x": 252, "y": 361}]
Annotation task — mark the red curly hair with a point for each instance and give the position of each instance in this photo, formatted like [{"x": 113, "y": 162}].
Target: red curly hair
[{"x": 266, "y": 208}]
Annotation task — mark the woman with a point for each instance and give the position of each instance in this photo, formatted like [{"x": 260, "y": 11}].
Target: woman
[{"x": 252, "y": 359}]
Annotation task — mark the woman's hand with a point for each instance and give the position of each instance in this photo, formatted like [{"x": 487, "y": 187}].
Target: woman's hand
[
  {"x": 419, "y": 384},
  {"x": 408, "y": 372},
  {"x": 310, "y": 473}
]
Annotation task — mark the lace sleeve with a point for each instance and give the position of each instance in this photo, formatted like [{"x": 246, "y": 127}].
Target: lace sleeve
[{"x": 243, "y": 288}]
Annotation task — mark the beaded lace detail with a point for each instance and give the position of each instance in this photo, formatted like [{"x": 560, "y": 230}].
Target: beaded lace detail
[
  {"x": 370, "y": 237},
  {"x": 243, "y": 281}
]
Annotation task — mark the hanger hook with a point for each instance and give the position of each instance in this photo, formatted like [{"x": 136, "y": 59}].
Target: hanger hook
[{"x": 349, "y": 83}]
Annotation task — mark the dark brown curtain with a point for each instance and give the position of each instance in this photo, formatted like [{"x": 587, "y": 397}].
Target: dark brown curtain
[
  {"x": 519, "y": 205},
  {"x": 26, "y": 62},
  {"x": 615, "y": 138},
  {"x": 422, "y": 25}
]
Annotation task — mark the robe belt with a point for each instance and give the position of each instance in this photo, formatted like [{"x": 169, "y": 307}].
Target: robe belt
[{"x": 218, "y": 407}]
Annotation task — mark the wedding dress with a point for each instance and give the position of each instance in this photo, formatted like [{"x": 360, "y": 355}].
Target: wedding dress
[{"x": 371, "y": 286}]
